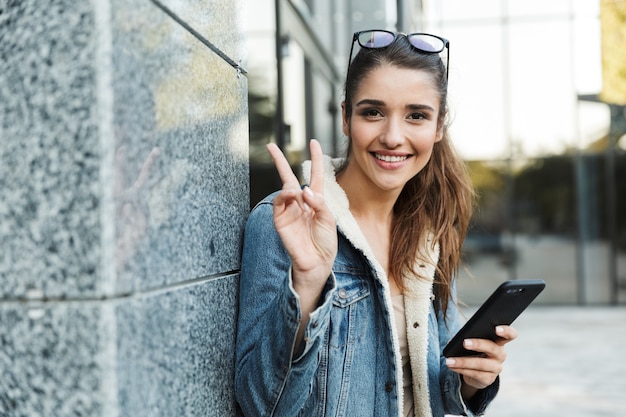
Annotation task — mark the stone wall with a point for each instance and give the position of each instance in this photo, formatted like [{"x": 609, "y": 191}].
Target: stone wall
[{"x": 123, "y": 194}]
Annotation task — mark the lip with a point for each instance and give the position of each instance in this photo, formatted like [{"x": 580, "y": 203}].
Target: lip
[{"x": 394, "y": 160}]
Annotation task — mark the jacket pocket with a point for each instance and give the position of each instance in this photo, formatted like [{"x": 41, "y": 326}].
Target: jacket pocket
[
  {"x": 350, "y": 304},
  {"x": 345, "y": 295}
]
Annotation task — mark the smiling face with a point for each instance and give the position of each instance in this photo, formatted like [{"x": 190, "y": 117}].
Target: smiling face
[{"x": 392, "y": 128}]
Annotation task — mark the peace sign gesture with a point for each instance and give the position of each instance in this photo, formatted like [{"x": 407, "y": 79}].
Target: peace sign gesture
[{"x": 304, "y": 224}]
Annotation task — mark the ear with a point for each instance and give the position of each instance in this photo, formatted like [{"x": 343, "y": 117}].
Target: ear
[
  {"x": 440, "y": 128},
  {"x": 345, "y": 125},
  {"x": 439, "y": 134}
]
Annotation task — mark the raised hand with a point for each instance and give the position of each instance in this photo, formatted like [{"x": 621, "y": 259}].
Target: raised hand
[{"x": 304, "y": 224}]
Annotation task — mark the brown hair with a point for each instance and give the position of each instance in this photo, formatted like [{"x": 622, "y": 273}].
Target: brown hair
[{"x": 440, "y": 198}]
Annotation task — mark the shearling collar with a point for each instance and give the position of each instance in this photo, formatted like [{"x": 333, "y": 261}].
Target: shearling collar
[{"x": 417, "y": 298}]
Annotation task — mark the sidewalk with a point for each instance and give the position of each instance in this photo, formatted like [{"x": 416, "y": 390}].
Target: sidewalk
[{"x": 567, "y": 361}]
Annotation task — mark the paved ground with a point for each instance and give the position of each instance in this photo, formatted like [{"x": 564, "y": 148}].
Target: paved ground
[{"x": 567, "y": 361}]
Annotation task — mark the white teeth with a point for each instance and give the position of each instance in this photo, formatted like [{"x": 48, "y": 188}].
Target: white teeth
[{"x": 389, "y": 158}]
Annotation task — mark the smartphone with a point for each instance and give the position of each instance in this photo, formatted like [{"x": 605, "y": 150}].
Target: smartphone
[{"x": 506, "y": 303}]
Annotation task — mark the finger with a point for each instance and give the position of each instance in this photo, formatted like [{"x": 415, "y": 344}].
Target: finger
[
  {"x": 478, "y": 379},
  {"x": 147, "y": 167},
  {"x": 487, "y": 347},
  {"x": 290, "y": 195},
  {"x": 506, "y": 334},
  {"x": 287, "y": 176},
  {"x": 317, "y": 167},
  {"x": 477, "y": 376},
  {"x": 317, "y": 203},
  {"x": 474, "y": 363}
]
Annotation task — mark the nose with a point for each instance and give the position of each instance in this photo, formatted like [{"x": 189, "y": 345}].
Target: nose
[{"x": 392, "y": 135}]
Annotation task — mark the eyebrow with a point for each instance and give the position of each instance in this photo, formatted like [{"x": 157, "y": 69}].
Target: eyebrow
[
  {"x": 370, "y": 102},
  {"x": 374, "y": 102}
]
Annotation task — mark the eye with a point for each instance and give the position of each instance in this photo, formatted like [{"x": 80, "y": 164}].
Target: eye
[
  {"x": 370, "y": 112},
  {"x": 419, "y": 116}
]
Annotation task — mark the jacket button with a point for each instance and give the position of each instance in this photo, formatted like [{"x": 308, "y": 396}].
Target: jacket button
[
  {"x": 342, "y": 293},
  {"x": 389, "y": 386}
]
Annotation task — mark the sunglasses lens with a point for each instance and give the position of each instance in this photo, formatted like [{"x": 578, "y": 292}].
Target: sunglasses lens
[
  {"x": 376, "y": 39},
  {"x": 427, "y": 43}
]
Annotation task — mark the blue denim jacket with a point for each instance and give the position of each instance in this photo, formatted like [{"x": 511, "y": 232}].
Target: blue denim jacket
[{"x": 349, "y": 362}]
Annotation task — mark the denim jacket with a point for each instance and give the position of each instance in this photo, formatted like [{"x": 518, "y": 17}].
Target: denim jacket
[{"x": 349, "y": 362}]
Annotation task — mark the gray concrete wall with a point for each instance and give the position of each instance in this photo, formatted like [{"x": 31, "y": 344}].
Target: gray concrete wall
[{"x": 123, "y": 194}]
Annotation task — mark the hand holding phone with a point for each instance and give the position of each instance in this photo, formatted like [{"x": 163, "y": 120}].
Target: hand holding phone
[{"x": 506, "y": 303}]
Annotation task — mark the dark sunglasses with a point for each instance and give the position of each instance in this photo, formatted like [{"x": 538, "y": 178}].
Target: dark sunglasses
[{"x": 423, "y": 42}]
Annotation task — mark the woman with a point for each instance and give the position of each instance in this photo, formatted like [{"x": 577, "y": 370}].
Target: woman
[{"x": 346, "y": 292}]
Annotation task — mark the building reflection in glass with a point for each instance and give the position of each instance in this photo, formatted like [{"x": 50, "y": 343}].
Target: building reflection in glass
[{"x": 543, "y": 139}]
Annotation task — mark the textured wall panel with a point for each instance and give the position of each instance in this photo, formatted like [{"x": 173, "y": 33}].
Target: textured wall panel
[
  {"x": 176, "y": 351},
  {"x": 123, "y": 194},
  {"x": 53, "y": 360},
  {"x": 218, "y": 21},
  {"x": 49, "y": 151},
  {"x": 179, "y": 213}
]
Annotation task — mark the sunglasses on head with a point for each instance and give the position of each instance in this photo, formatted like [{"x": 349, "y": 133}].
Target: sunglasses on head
[{"x": 422, "y": 42}]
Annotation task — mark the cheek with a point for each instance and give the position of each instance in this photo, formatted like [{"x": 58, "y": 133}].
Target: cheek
[
  {"x": 360, "y": 134},
  {"x": 425, "y": 140}
]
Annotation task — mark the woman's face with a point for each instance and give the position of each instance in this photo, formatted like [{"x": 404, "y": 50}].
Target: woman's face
[{"x": 393, "y": 128}]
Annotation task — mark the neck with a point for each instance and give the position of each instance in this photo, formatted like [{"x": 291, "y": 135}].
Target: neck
[
  {"x": 366, "y": 204},
  {"x": 365, "y": 200}
]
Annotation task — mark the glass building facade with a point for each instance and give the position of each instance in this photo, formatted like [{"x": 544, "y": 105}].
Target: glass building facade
[{"x": 532, "y": 114}]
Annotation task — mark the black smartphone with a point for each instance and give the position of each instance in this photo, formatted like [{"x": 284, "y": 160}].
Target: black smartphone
[{"x": 506, "y": 303}]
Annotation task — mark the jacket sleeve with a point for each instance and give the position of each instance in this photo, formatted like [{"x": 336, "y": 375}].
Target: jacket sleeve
[
  {"x": 270, "y": 378},
  {"x": 451, "y": 381}
]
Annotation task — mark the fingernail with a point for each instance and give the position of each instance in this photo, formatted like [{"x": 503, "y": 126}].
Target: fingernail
[
  {"x": 467, "y": 343},
  {"x": 499, "y": 329},
  {"x": 450, "y": 362},
  {"x": 308, "y": 191}
]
